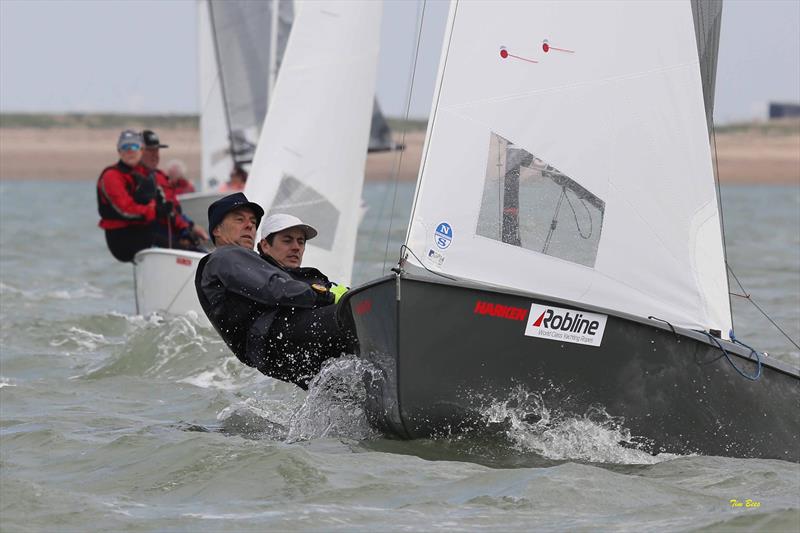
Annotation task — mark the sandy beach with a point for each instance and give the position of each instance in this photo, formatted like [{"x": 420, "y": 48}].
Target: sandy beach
[{"x": 754, "y": 154}]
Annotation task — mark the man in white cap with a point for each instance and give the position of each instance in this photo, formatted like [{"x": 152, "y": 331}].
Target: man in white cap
[{"x": 274, "y": 314}]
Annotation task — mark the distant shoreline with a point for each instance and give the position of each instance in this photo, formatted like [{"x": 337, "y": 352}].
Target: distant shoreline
[{"x": 78, "y": 147}]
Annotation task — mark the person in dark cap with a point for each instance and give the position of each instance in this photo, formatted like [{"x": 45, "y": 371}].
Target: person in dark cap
[
  {"x": 173, "y": 228},
  {"x": 274, "y": 315}
]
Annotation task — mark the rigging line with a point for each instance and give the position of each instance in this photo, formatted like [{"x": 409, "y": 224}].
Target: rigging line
[
  {"x": 722, "y": 228},
  {"x": 178, "y": 292},
  {"x": 751, "y": 377},
  {"x": 748, "y": 296},
  {"x": 554, "y": 222},
  {"x": 432, "y": 120},
  {"x": 396, "y": 170},
  {"x": 501, "y": 185},
  {"x": 221, "y": 79},
  {"x": 575, "y": 216}
]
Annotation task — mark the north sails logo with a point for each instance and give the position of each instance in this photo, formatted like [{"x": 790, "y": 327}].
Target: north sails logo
[{"x": 566, "y": 325}]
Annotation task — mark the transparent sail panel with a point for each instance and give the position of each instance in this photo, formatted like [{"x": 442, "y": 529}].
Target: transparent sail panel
[
  {"x": 529, "y": 203},
  {"x": 304, "y": 202}
]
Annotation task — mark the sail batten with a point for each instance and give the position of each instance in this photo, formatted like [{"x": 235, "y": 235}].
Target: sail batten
[{"x": 606, "y": 195}]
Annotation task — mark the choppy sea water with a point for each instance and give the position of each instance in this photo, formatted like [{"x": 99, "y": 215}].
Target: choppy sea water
[{"x": 112, "y": 421}]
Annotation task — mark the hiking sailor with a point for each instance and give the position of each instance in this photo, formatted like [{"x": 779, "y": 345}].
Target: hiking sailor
[{"x": 272, "y": 313}]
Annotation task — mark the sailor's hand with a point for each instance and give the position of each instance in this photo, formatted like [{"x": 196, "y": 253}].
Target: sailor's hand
[
  {"x": 324, "y": 296},
  {"x": 164, "y": 209},
  {"x": 200, "y": 232},
  {"x": 338, "y": 291}
]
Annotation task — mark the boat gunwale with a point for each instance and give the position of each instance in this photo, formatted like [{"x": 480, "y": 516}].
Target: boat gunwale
[{"x": 424, "y": 276}]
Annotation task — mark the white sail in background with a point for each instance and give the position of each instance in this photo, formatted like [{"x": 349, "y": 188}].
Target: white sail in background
[
  {"x": 216, "y": 163},
  {"x": 241, "y": 47},
  {"x": 313, "y": 146},
  {"x": 568, "y": 155}
]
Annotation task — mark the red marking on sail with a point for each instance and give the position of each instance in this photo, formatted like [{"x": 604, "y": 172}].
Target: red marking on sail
[
  {"x": 506, "y": 54},
  {"x": 539, "y": 320},
  {"x": 547, "y": 47}
]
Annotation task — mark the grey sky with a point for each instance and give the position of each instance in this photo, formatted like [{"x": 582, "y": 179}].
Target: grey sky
[{"x": 139, "y": 56}]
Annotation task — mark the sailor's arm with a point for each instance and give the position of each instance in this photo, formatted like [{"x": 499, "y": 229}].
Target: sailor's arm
[
  {"x": 113, "y": 186},
  {"x": 243, "y": 272}
]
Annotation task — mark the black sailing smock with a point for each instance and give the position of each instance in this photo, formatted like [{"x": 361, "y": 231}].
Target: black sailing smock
[{"x": 270, "y": 317}]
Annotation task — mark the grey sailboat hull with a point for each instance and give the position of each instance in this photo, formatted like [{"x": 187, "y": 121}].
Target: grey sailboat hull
[{"x": 441, "y": 359}]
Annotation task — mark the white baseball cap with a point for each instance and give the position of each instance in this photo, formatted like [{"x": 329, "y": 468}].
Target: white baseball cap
[{"x": 280, "y": 221}]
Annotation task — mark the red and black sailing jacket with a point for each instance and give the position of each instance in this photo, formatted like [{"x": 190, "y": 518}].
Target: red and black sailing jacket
[
  {"x": 126, "y": 196},
  {"x": 179, "y": 220}
]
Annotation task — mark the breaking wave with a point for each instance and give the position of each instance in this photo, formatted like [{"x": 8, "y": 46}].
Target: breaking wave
[
  {"x": 333, "y": 407},
  {"x": 82, "y": 291},
  {"x": 594, "y": 436}
]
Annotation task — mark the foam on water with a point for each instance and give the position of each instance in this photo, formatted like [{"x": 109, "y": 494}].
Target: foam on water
[
  {"x": 229, "y": 375},
  {"x": 83, "y": 291},
  {"x": 80, "y": 340},
  {"x": 165, "y": 348},
  {"x": 334, "y": 406},
  {"x": 594, "y": 436}
]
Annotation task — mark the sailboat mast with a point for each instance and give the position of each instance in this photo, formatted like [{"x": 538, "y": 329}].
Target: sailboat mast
[
  {"x": 272, "y": 72},
  {"x": 221, "y": 78}
]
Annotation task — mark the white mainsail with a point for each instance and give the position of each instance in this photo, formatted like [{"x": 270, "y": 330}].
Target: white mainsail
[
  {"x": 316, "y": 172},
  {"x": 568, "y": 155},
  {"x": 215, "y": 160}
]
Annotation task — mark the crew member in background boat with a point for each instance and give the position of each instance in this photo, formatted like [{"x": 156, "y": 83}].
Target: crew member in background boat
[
  {"x": 274, "y": 314},
  {"x": 176, "y": 172},
  {"x": 173, "y": 228},
  {"x": 126, "y": 200},
  {"x": 238, "y": 179}
]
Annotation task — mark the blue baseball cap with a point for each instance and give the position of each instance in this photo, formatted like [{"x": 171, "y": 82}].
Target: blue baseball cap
[{"x": 223, "y": 206}]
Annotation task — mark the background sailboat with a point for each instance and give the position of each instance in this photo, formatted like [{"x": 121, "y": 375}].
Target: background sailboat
[
  {"x": 331, "y": 56},
  {"x": 565, "y": 237},
  {"x": 241, "y": 45}
]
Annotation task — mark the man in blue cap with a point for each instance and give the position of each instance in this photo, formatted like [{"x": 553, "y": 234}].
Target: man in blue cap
[{"x": 272, "y": 313}]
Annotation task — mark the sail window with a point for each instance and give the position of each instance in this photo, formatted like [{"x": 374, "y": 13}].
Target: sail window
[
  {"x": 296, "y": 198},
  {"x": 531, "y": 204}
]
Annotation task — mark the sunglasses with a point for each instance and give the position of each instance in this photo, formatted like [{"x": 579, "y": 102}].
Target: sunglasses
[{"x": 130, "y": 147}]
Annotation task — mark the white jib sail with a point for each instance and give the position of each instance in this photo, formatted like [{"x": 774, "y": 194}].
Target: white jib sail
[
  {"x": 568, "y": 155},
  {"x": 312, "y": 149}
]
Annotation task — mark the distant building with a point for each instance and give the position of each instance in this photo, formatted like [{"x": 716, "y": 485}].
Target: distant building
[{"x": 778, "y": 110}]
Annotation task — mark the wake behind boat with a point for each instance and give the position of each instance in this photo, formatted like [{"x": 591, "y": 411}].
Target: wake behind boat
[{"x": 566, "y": 240}]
